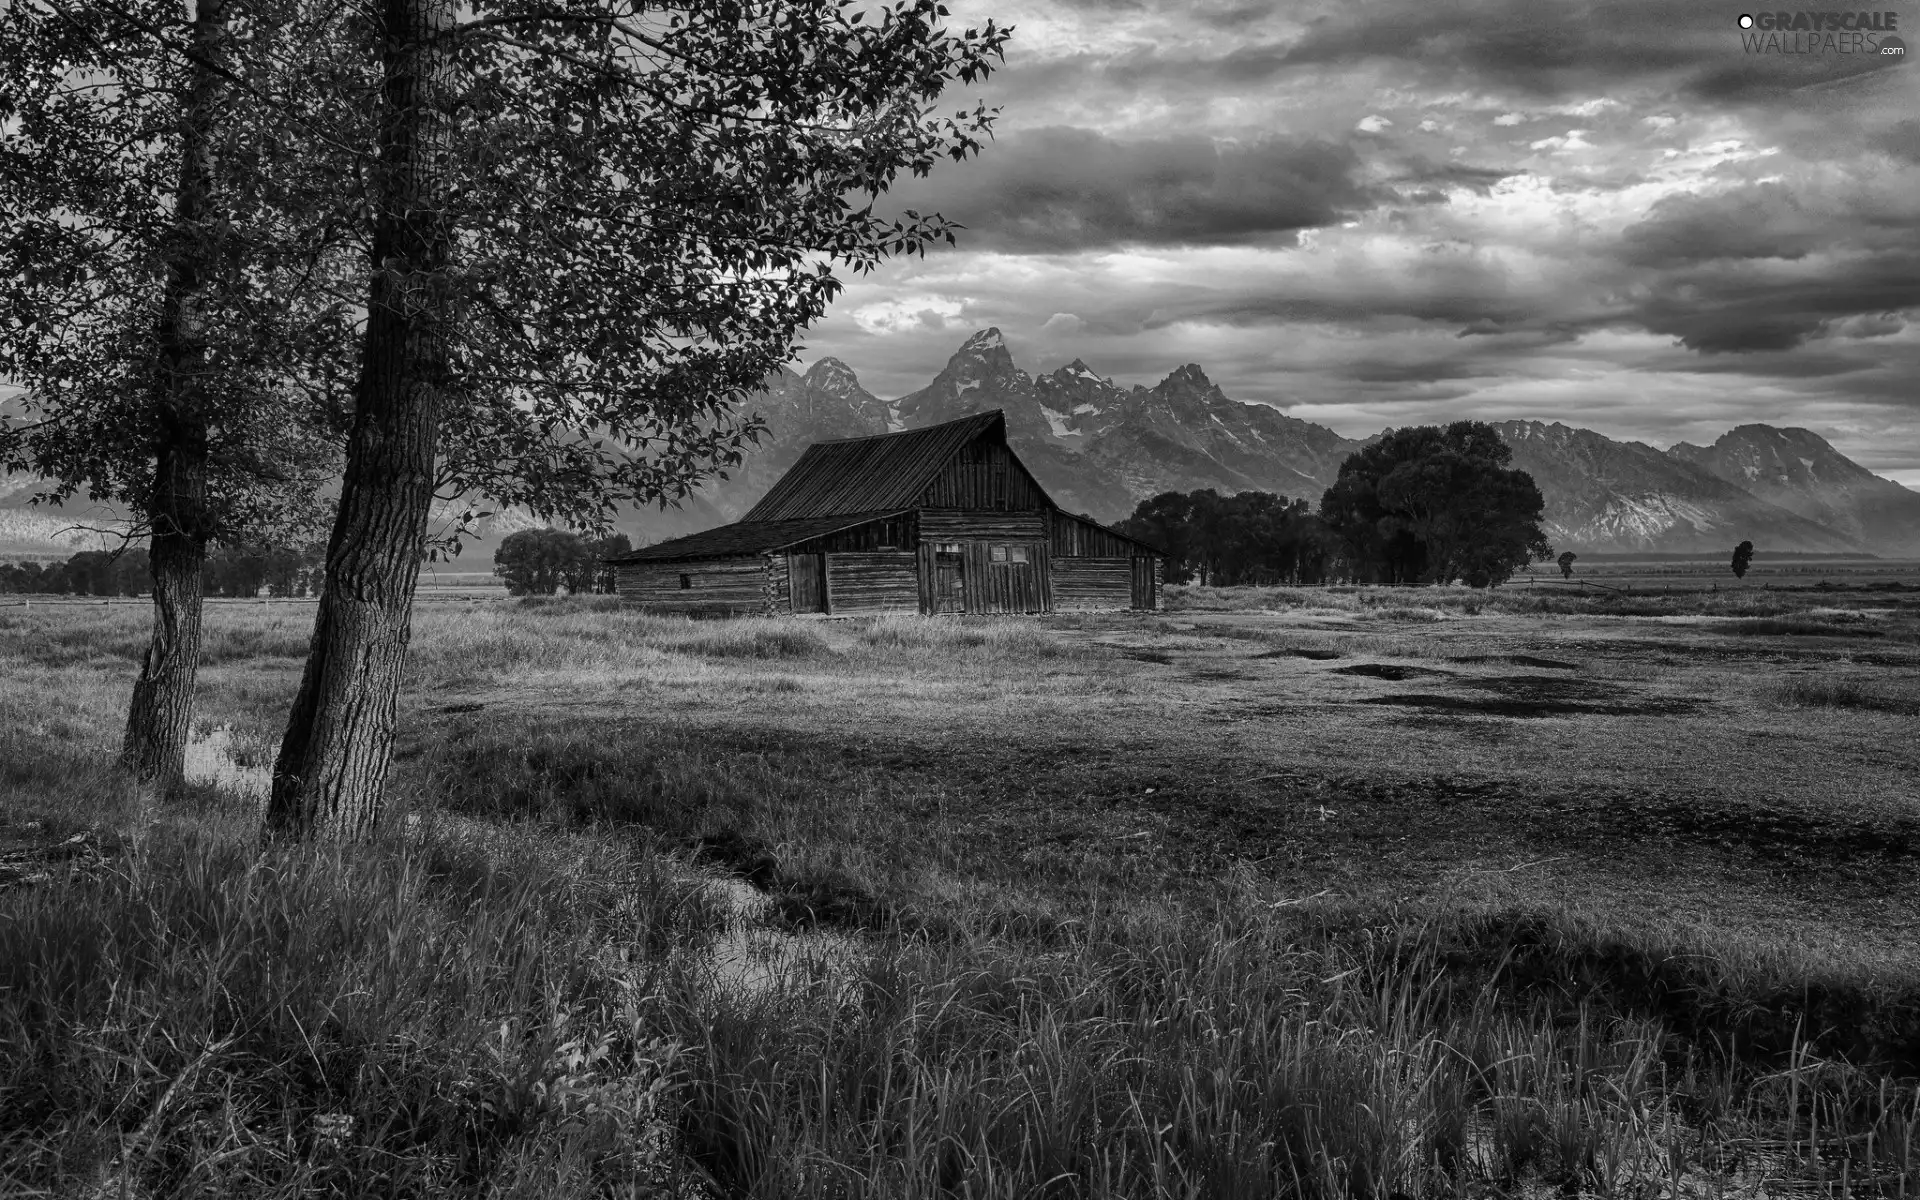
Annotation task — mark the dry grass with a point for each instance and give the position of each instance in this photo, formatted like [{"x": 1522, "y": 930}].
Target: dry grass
[
  {"x": 1080, "y": 868},
  {"x": 1844, "y": 693}
]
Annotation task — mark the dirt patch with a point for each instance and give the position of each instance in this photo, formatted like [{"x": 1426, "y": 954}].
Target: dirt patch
[
  {"x": 1148, "y": 656},
  {"x": 1393, "y": 671},
  {"x": 1301, "y": 652}
]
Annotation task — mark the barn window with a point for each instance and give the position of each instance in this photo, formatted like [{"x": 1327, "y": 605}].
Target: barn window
[
  {"x": 947, "y": 548},
  {"x": 1017, "y": 554},
  {"x": 686, "y": 582},
  {"x": 997, "y": 554}
]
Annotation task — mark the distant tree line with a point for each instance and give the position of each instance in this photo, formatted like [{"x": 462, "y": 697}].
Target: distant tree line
[
  {"x": 280, "y": 571},
  {"x": 1429, "y": 504},
  {"x": 540, "y": 562},
  {"x": 1254, "y": 538}
]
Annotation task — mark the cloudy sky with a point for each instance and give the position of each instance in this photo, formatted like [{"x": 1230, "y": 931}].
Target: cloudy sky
[{"x": 1391, "y": 212}]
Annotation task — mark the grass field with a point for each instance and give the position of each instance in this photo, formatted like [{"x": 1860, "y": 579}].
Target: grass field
[{"x": 1316, "y": 892}]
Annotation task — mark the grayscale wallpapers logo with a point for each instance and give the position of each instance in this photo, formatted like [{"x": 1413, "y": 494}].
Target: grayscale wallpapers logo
[{"x": 1869, "y": 34}]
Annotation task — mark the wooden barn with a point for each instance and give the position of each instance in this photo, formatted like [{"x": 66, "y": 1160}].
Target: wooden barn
[{"x": 938, "y": 520}]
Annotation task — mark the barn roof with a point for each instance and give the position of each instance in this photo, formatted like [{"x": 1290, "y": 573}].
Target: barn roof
[
  {"x": 748, "y": 538},
  {"x": 869, "y": 474},
  {"x": 837, "y": 485}
]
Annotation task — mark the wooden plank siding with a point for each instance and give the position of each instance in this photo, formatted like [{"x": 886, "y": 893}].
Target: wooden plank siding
[
  {"x": 727, "y": 585},
  {"x": 1084, "y": 584},
  {"x": 955, "y": 525},
  {"x": 984, "y": 475},
  {"x": 806, "y": 583},
  {"x": 1005, "y": 587},
  {"x": 876, "y": 581},
  {"x": 897, "y": 532},
  {"x": 1074, "y": 537}
]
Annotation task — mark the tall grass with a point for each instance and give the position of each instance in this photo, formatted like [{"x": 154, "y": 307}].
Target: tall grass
[
  {"x": 514, "y": 991},
  {"x": 411, "y": 1020}
]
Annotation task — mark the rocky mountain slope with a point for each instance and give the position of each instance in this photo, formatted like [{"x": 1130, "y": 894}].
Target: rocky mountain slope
[
  {"x": 1099, "y": 448},
  {"x": 1622, "y": 496},
  {"x": 1797, "y": 470}
]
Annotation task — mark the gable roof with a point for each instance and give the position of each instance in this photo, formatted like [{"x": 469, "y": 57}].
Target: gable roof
[
  {"x": 871, "y": 474},
  {"x": 744, "y": 539}
]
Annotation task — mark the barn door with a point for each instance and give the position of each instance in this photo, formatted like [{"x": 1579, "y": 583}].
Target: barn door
[
  {"x": 950, "y": 583},
  {"x": 1144, "y": 593},
  {"x": 807, "y": 580}
]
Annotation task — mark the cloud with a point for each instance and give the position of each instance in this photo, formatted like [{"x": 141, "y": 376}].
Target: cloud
[
  {"x": 1765, "y": 221},
  {"x": 1747, "y": 308},
  {"x": 907, "y": 314},
  {"x": 1056, "y": 190}
]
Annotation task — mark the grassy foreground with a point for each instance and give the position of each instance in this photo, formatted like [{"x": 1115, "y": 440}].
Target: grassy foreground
[{"x": 1313, "y": 893}]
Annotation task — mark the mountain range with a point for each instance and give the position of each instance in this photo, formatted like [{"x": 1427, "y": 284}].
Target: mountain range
[{"x": 1099, "y": 448}]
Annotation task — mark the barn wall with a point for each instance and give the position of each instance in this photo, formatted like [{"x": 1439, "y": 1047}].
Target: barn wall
[
  {"x": 779, "y": 585},
  {"x": 960, "y": 525},
  {"x": 1092, "y": 583},
  {"x": 889, "y": 533},
  {"x": 722, "y": 585},
  {"x": 1007, "y": 587},
  {"x": 873, "y": 582},
  {"x": 984, "y": 474},
  {"x": 1072, "y": 537}
]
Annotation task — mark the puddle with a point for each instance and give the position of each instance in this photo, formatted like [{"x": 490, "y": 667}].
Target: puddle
[
  {"x": 1518, "y": 660},
  {"x": 210, "y": 760},
  {"x": 752, "y": 959},
  {"x": 1514, "y": 706}
]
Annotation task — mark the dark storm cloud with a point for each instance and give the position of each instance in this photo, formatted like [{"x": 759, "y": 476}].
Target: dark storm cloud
[
  {"x": 1053, "y": 190},
  {"x": 1515, "y": 43},
  {"x": 1765, "y": 221},
  {"x": 1727, "y": 308},
  {"x": 1795, "y": 366},
  {"x": 1901, "y": 140}
]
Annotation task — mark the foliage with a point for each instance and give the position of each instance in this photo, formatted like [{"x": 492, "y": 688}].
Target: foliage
[
  {"x": 97, "y": 121},
  {"x": 540, "y": 562},
  {"x": 1432, "y": 504},
  {"x": 1249, "y": 538},
  {"x": 88, "y": 573},
  {"x": 649, "y": 206},
  {"x": 1742, "y": 559},
  {"x": 1566, "y": 561},
  {"x": 243, "y": 572}
]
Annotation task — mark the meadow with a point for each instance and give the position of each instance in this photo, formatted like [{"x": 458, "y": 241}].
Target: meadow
[{"x": 1278, "y": 892}]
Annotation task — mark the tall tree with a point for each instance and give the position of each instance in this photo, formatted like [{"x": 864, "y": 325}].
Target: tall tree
[
  {"x": 160, "y": 304},
  {"x": 597, "y": 226},
  {"x": 1433, "y": 504},
  {"x": 1742, "y": 559}
]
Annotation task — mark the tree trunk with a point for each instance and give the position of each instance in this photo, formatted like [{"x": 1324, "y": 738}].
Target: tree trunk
[
  {"x": 160, "y": 717},
  {"x": 332, "y": 766},
  {"x": 160, "y": 714}
]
